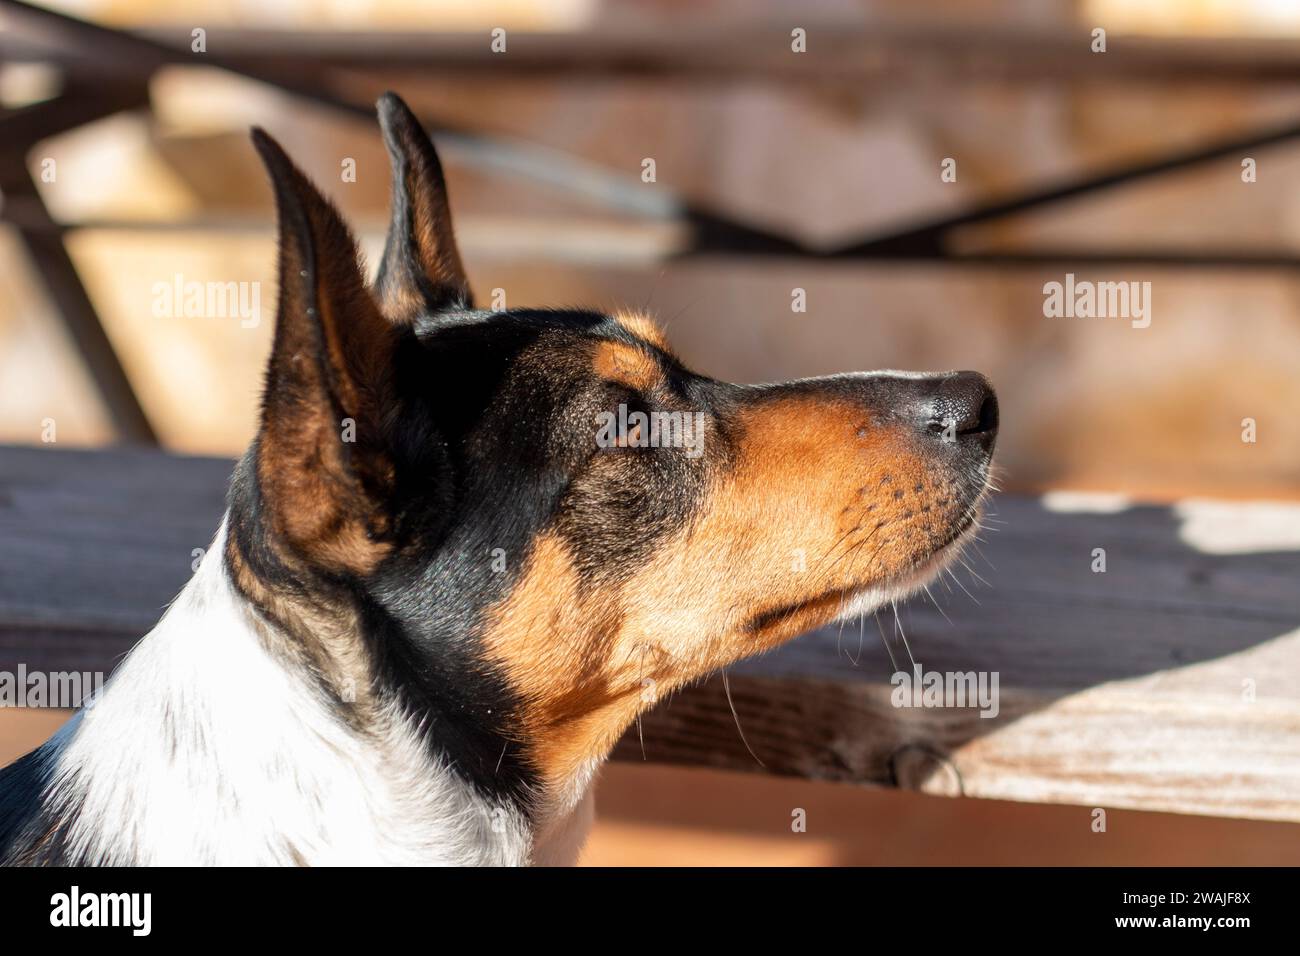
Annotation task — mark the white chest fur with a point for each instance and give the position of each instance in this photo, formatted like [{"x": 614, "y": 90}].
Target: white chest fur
[{"x": 204, "y": 749}]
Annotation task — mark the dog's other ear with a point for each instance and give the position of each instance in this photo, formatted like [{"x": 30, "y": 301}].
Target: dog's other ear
[
  {"x": 323, "y": 464},
  {"x": 421, "y": 269}
]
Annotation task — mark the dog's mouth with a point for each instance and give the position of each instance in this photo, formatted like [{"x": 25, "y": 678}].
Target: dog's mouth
[
  {"x": 854, "y": 600},
  {"x": 953, "y": 543}
]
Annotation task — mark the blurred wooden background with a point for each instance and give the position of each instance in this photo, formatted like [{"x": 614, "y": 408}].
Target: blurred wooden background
[{"x": 823, "y": 156}]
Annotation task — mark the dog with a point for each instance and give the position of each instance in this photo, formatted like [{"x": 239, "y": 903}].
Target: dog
[{"x": 461, "y": 546}]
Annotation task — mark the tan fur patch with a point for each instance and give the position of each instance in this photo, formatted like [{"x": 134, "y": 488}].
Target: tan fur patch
[
  {"x": 619, "y": 362},
  {"x": 555, "y": 649},
  {"x": 318, "y": 505},
  {"x": 643, "y": 327}
]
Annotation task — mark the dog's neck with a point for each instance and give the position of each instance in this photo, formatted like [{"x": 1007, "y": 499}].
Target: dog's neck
[{"x": 206, "y": 747}]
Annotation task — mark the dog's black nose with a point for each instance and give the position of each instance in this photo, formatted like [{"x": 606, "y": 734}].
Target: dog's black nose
[
  {"x": 957, "y": 409},
  {"x": 962, "y": 408}
]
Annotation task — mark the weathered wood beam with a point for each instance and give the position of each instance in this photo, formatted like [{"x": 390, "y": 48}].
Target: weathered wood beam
[
  {"x": 43, "y": 241},
  {"x": 838, "y": 52},
  {"x": 78, "y": 104},
  {"x": 932, "y": 239},
  {"x": 1165, "y": 683}
]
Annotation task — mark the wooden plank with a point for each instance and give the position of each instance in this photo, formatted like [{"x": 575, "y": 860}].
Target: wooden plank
[
  {"x": 93, "y": 545},
  {"x": 1165, "y": 683},
  {"x": 841, "y": 50}
]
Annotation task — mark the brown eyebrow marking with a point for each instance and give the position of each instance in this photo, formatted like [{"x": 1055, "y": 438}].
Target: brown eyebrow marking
[
  {"x": 627, "y": 364},
  {"x": 643, "y": 327}
]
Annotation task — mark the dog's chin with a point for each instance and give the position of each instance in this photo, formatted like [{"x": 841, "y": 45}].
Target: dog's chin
[
  {"x": 853, "y": 602},
  {"x": 876, "y": 595}
]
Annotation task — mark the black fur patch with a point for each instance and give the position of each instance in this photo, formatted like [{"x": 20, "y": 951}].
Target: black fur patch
[{"x": 30, "y": 833}]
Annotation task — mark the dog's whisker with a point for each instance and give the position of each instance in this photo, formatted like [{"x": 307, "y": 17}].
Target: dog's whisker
[
  {"x": 640, "y": 682},
  {"x": 937, "y": 606},
  {"x": 976, "y": 542},
  {"x": 964, "y": 588},
  {"x": 973, "y": 573},
  {"x": 898, "y": 629},
  {"x": 726, "y": 686},
  {"x": 831, "y": 550},
  {"x": 893, "y": 663},
  {"x": 839, "y": 637}
]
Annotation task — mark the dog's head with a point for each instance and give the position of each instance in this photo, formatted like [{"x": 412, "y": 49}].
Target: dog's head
[{"x": 528, "y": 524}]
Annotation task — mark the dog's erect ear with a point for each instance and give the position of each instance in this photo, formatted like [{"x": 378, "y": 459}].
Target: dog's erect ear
[
  {"x": 421, "y": 269},
  {"x": 323, "y": 464}
]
